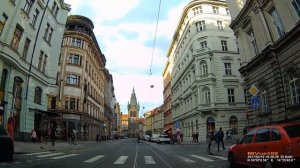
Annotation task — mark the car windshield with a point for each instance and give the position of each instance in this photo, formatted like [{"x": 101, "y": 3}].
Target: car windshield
[{"x": 293, "y": 131}]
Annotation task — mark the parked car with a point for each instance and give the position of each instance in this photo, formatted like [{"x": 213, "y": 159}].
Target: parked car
[
  {"x": 154, "y": 137},
  {"x": 6, "y": 146},
  {"x": 163, "y": 139},
  {"x": 146, "y": 137},
  {"x": 267, "y": 143}
]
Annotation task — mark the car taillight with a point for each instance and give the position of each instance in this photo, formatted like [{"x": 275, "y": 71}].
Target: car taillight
[{"x": 288, "y": 149}]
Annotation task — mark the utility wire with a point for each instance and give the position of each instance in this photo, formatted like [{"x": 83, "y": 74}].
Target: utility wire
[{"x": 157, "y": 20}]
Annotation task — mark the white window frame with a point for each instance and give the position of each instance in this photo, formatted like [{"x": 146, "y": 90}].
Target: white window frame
[
  {"x": 224, "y": 45},
  {"x": 294, "y": 91},
  {"x": 252, "y": 41},
  {"x": 215, "y": 9},
  {"x": 197, "y": 10},
  {"x": 203, "y": 68},
  {"x": 231, "y": 98},
  {"x": 228, "y": 70},
  {"x": 277, "y": 22},
  {"x": 220, "y": 25},
  {"x": 200, "y": 26},
  {"x": 206, "y": 96},
  {"x": 265, "y": 102},
  {"x": 296, "y": 5},
  {"x": 203, "y": 44}
]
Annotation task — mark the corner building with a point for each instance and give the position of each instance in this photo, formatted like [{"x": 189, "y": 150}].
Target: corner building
[
  {"x": 205, "y": 82},
  {"x": 31, "y": 32},
  {"x": 81, "y": 81}
]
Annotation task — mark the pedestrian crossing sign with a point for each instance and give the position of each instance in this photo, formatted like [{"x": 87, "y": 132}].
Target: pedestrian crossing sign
[{"x": 255, "y": 103}]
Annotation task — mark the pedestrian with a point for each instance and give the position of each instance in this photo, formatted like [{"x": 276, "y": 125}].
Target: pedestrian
[
  {"x": 10, "y": 126},
  {"x": 46, "y": 133},
  {"x": 181, "y": 137},
  {"x": 209, "y": 138},
  {"x": 33, "y": 136},
  {"x": 97, "y": 138},
  {"x": 197, "y": 137},
  {"x": 178, "y": 137},
  {"x": 53, "y": 135},
  {"x": 194, "y": 138},
  {"x": 42, "y": 139},
  {"x": 220, "y": 137}
]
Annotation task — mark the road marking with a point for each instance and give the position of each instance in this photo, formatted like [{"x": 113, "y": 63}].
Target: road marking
[
  {"x": 64, "y": 156},
  {"x": 37, "y": 153},
  {"x": 93, "y": 159},
  {"x": 121, "y": 160},
  {"x": 202, "y": 158},
  {"x": 149, "y": 160},
  {"x": 52, "y": 154},
  {"x": 219, "y": 157},
  {"x": 186, "y": 159}
]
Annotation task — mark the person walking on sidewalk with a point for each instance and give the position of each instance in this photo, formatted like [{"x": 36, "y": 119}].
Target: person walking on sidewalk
[
  {"x": 42, "y": 139},
  {"x": 209, "y": 138},
  {"x": 33, "y": 136},
  {"x": 52, "y": 135},
  {"x": 220, "y": 137}
]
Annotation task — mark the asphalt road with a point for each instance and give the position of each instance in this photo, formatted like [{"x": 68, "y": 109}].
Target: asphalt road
[{"x": 122, "y": 154}]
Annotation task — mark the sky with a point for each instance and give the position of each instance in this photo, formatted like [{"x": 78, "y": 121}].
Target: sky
[{"x": 125, "y": 32}]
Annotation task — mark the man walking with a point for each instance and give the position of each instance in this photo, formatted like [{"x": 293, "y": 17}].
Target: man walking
[{"x": 220, "y": 137}]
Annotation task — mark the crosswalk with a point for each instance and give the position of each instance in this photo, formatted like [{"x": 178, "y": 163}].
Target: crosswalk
[{"x": 120, "y": 160}]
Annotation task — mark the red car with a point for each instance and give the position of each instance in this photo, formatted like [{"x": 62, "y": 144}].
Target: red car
[
  {"x": 6, "y": 146},
  {"x": 267, "y": 146}
]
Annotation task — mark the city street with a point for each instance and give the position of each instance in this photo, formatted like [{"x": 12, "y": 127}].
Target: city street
[{"x": 127, "y": 153}]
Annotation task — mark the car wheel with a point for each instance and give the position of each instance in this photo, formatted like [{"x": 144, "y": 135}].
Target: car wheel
[
  {"x": 231, "y": 162},
  {"x": 268, "y": 164}
]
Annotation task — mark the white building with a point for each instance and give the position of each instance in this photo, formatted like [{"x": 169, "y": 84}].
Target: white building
[
  {"x": 206, "y": 85},
  {"x": 31, "y": 33}
]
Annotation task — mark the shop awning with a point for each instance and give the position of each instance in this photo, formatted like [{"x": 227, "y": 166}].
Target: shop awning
[{"x": 43, "y": 112}]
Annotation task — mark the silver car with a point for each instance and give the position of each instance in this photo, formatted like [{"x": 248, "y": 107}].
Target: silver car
[{"x": 163, "y": 139}]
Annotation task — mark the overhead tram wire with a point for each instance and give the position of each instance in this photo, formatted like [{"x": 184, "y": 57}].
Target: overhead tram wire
[{"x": 154, "y": 42}]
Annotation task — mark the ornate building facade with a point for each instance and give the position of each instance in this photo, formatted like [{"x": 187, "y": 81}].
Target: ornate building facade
[
  {"x": 205, "y": 82},
  {"x": 268, "y": 34},
  {"x": 81, "y": 81},
  {"x": 133, "y": 115},
  {"x": 31, "y": 32}
]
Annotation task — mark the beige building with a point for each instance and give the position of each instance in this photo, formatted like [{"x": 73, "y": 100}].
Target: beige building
[
  {"x": 148, "y": 122},
  {"x": 31, "y": 32},
  {"x": 124, "y": 123},
  {"x": 268, "y": 35},
  {"x": 167, "y": 94},
  {"x": 205, "y": 82},
  {"x": 81, "y": 81},
  {"x": 158, "y": 121}
]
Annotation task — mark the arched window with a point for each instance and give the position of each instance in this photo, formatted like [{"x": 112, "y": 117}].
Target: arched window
[
  {"x": 210, "y": 123},
  {"x": 205, "y": 95},
  {"x": 38, "y": 92},
  {"x": 17, "y": 101},
  {"x": 203, "y": 68},
  {"x": 233, "y": 124}
]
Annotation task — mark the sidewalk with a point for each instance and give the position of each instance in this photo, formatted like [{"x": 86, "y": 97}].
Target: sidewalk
[{"x": 29, "y": 147}]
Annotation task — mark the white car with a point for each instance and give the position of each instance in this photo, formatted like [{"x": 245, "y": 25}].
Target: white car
[{"x": 163, "y": 139}]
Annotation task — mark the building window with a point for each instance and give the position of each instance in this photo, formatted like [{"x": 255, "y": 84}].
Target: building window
[
  {"x": 227, "y": 68},
  {"x": 227, "y": 11},
  {"x": 206, "y": 95},
  {"x": 197, "y": 10},
  {"x": 17, "y": 37},
  {"x": 38, "y": 95},
  {"x": 230, "y": 95},
  {"x": 73, "y": 79},
  {"x": 35, "y": 16},
  {"x": 2, "y": 22},
  {"x": 246, "y": 95},
  {"x": 48, "y": 33},
  {"x": 28, "y": 6},
  {"x": 296, "y": 4},
  {"x": 74, "y": 59},
  {"x": 72, "y": 103},
  {"x": 264, "y": 102},
  {"x": 233, "y": 125},
  {"x": 3, "y": 81},
  {"x": 200, "y": 26},
  {"x": 66, "y": 103},
  {"x": 203, "y": 68},
  {"x": 294, "y": 91},
  {"x": 215, "y": 9},
  {"x": 77, "y": 42},
  {"x": 26, "y": 47},
  {"x": 277, "y": 22},
  {"x": 17, "y": 101},
  {"x": 40, "y": 60},
  {"x": 203, "y": 44},
  {"x": 253, "y": 41},
  {"x": 220, "y": 25},
  {"x": 54, "y": 6},
  {"x": 224, "y": 45},
  {"x": 44, "y": 63}
]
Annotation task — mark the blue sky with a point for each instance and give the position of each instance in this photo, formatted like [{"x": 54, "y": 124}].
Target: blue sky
[{"x": 125, "y": 32}]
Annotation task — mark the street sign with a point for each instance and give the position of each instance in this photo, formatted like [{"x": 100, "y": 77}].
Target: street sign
[
  {"x": 253, "y": 90},
  {"x": 255, "y": 103},
  {"x": 177, "y": 124}
]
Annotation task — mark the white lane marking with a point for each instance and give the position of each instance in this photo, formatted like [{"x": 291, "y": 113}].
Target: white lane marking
[
  {"x": 93, "y": 159},
  {"x": 64, "y": 156},
  {"x": 202, "y": 158},
  {"x": 52, "y": 154},
  {"x": 37, "y": 153},
  {"x": 186, "y": 159},
  {"x": 149, "y": 160},
  {"x": 219, "y": 157},
  {"x": 121, "y": 160}
]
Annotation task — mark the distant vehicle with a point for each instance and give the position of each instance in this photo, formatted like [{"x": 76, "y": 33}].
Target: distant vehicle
[
  {"x": 163, "y": 139},
  {"x": 146, "y": 137},
  {"x": 6, "y": 146},
  {"x": 278, "y": 140},
  {"x": 154, "y": 137}
]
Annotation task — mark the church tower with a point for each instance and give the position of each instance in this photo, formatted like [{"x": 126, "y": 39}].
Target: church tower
[{"x": 133, "y": 106}]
